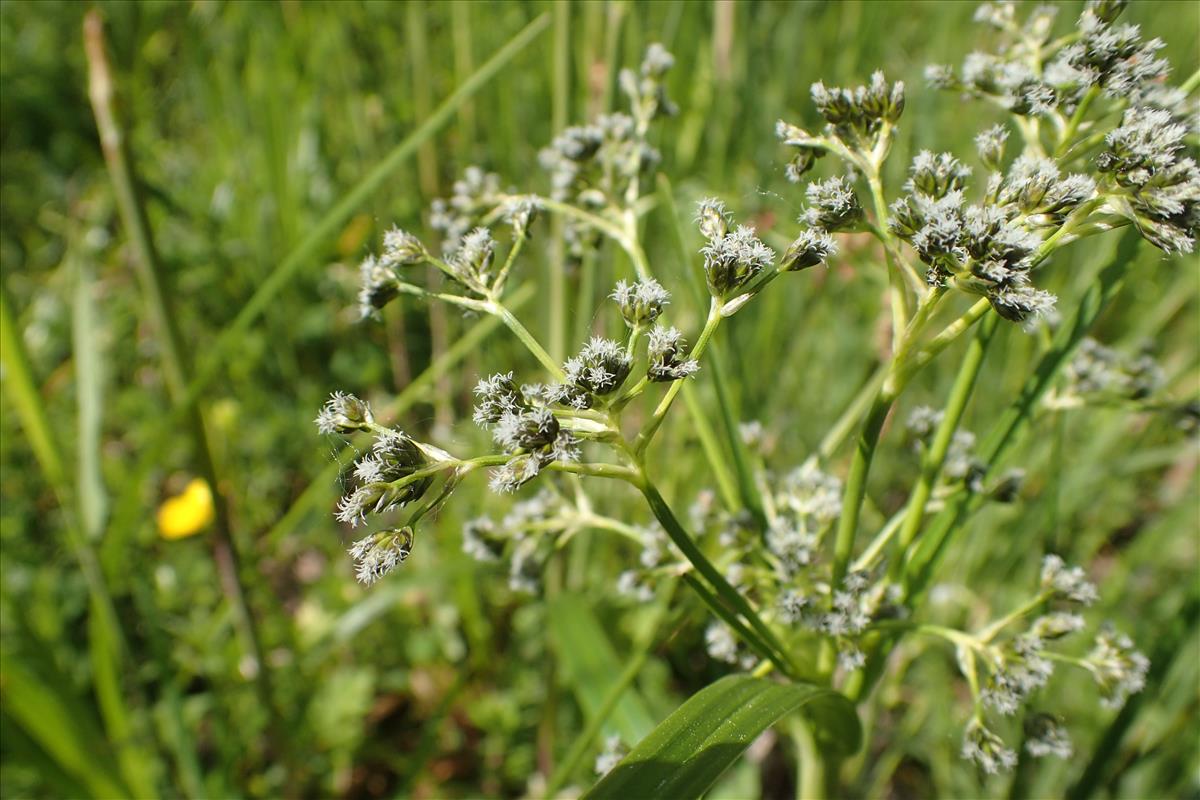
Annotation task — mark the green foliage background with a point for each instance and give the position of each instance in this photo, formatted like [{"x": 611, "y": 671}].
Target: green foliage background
[{"x": 247, "y": 123}]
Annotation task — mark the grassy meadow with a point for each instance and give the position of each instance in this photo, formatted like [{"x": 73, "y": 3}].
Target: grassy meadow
[{"x": 178, "y": 616}]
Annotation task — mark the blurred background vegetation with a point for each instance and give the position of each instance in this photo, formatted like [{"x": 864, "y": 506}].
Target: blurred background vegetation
[{"x": 123, "y": 669}]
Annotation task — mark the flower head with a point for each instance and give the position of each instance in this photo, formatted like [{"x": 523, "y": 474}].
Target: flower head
[
  {"x": 641, "y": 301},
  {"x": 379, "y": 553},
  {"x": 665, "y": 351},
  {"x": 344, "y": 413}
]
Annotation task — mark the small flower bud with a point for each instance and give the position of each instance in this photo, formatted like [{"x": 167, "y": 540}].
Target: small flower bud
[
  {"x": 496, "y": 396},
  {"x": 1009, "y": 486},
  {"x": 813, "y": 246},
  {"x": 1118, "y": 668},
  {"x": 600, "y": 368},
  {"x": 379, "y": 553},
  {"x": 990, "y": 145},
  {"x": 713, "y": 218},
  {"x": 1056, "y": 626},
  {"x": 937, "y": 175},
  {"x": 344, "y": 413},
  {"x": 520, "y": 212},
  {"x": 378, "y": 286},
  {"x": 402, "y": 249},
  {"x": 1107, "y": 11},
  {"x": 657, "y": 61},
  {"x": 474, "y": 258},
  {"x": 665, "y": 351},
  {"x": 481, "y": 541},
  {"x": 528, "y": 430},
  {"x": 1045, "y": 737},
  {"x": 641, "y": 302},
  {"x": 940, "y": 76},
  {"x": 833, "y": 204},
  {"x": 986, "y": 749},
  {"x": 732, "y": 260},
  {"x": 1070, "y": 583}
]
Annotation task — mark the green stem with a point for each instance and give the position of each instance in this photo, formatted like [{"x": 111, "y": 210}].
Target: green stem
[
  {"x": 710, "y": 325},
  {"x": 716, "y": 580},
  {"x": 989, "y": 633},
  {"x": 726, "y": 485},
  {"x": 853, "y": 412},
  {"x": 1191, "y": 83},
  {"x": 502, "y": 276},
  {"x": 935, "y": 457},
  {"x": 531, "y": 344},
  {"x": 1081, "y": 110},
  {"x": 856, "y": 483}
]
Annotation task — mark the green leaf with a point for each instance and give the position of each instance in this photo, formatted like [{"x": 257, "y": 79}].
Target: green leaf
[
  {"x": 590, "y": 666},
  {"x": 685, "y": 755},
  {"x": 60, "y": 724}
]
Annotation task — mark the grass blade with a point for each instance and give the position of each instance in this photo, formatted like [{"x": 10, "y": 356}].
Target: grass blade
[
  {"x": 62, "y": 727},
  {"x": 89, "y": 387},
  {"x": 105, "y": 641},
  {"x": 332, "y": 222},
  {"x": 590, "y": 666}
]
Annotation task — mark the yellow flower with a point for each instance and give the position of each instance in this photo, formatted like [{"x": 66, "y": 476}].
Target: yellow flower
[{"x": 187, "y": 513}]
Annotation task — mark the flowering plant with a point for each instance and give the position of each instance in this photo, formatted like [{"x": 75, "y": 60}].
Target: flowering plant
[{"x": 776, "y": 554}]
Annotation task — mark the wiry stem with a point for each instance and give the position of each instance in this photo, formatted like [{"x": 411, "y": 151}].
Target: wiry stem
[
  {"x": 175, "y": 358},
  {"x": 660, "y": 413},
  {"x": 931, "y": 465}
]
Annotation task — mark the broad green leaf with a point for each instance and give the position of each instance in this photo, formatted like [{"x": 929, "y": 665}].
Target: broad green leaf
[
  {"x": 689, "y": 750},
  {"x": 590, "y": 666}
]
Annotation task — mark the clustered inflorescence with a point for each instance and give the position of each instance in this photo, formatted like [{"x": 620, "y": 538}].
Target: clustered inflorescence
[{"x": 1099, "y": 142}]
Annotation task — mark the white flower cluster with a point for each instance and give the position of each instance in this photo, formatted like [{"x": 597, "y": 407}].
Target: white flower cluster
[
  {"x": 641, "y": 302},
  {"x": 476, "y": 193},
  {"x": 522, "y": 425},
  {"x": 1100, "y": 372}
]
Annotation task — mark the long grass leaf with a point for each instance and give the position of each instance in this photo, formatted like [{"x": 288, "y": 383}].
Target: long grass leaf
[
  {"x": 590, "y": 666},
  {"x": 60, "y": 724}
]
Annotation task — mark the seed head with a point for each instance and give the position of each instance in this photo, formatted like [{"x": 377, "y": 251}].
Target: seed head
[
  {"x": 344, "y": 413},
  {"x": 713, "y": 218},
  {"x": 833, "y": 205},
  {"x": 402, "y": 249},
  {"x": 990, "y": 145},
  {"x": 665, "y": 351},
  {"x": 641, "y": 302},
  {"x": 379, "y": 553},
  {"x": 986, "y": 749},
  {"x": 813, "y": 246}
]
